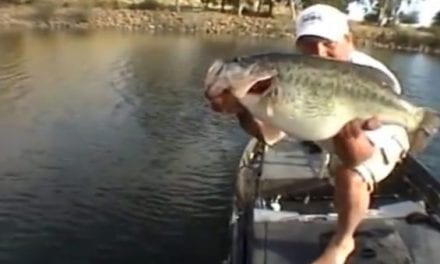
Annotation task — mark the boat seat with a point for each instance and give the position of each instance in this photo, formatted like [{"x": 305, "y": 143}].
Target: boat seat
[{"x": 292, "y": 166}]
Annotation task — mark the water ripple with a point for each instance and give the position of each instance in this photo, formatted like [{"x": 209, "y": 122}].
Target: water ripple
[{"x": 13, "y": 85}]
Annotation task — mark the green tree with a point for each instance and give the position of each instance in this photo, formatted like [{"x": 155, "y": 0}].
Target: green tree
[{"x": 437, "y": 19}]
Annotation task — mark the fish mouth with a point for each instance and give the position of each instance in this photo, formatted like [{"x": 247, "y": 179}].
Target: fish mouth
[
  {"x": 230, "y": 86},
  {"x": 258, "y": 87},
  {"x": 226, "y": 101}
]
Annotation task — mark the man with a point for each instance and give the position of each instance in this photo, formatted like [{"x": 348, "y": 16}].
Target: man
[{"x": 366, "y": 152}]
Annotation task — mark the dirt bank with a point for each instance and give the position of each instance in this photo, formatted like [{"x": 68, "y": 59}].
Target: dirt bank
[{"x": 200, "y": 22}]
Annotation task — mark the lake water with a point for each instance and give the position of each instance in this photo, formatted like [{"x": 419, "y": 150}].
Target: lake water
[{"x": 109, "y": 153}]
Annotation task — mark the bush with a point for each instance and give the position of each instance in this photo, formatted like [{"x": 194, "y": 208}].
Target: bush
[
  {"x": 341, "y": 4},
  {"x": 17, "y": 2},
  {"x": 414, "y": 38},
  {"x": 372, "y": 17},
  {"x": 113, "y": 4},
  {"x": 409, "y": 19},
  {"x": 148, "y": 4},
  {"x": 81, "y": 11},
  {"x": 437, "y": 19}
]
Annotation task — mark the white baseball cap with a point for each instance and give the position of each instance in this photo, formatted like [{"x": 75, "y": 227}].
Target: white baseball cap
[{"x": 322, "y": 21}]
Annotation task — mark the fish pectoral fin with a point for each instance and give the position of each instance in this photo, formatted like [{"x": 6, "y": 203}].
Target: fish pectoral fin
[
  {"x": 429, "y": 126},
  {"x": 270, "y": 134},
  {"x": 243, "y": 82}
]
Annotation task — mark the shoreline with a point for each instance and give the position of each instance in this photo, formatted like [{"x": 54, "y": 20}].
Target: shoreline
[{"x": 202, "y": 23}]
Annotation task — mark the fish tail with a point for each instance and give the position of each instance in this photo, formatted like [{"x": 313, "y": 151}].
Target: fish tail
[{"x": 422, "y": 135}]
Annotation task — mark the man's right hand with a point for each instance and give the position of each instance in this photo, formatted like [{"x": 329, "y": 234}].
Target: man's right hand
[
  {"x": 352, "y": 144},
  {"x": 227, "y": 103},
  {"x": 249, "y": 124}
]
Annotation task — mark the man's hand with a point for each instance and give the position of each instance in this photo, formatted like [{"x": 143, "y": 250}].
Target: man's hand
[
  {"x": 352, "y": 145},
  {"x": 250, "y": 125},
  {"x": 227, "y": 103}
]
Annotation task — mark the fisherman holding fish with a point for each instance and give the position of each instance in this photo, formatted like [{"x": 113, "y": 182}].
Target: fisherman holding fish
[
  {"x": 368, "y": 156},
  {"x": 340, "y": 106}
]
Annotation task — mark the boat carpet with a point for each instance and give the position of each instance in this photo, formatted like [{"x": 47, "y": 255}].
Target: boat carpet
[{"x": 377, "y": 241}]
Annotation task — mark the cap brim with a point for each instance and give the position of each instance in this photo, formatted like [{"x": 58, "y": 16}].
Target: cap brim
[{"x": 320, "y": 32}]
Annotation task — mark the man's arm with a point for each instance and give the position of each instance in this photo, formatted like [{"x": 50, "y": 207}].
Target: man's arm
[
  {"x": 264, "y": 132},
  {"x": 248, "y": 123},
  {"x": 352, "y": 144}
]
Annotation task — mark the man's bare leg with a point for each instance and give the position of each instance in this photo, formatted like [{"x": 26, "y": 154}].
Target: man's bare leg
[{"x": 352, "y": 200}]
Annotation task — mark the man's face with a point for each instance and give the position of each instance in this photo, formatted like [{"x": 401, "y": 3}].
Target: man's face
[{"x": 312, "y": 45}]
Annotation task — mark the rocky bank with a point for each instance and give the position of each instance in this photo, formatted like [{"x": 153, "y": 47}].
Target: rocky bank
[{"x": 199, "y": 22}]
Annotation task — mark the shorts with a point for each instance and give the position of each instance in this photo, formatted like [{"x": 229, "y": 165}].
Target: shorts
[{"x": 391, "y": 145}]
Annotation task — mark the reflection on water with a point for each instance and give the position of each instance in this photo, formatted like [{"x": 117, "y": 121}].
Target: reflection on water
[
  {"x": 110, "y": 153},
  {"x": 13, "y": 78}
]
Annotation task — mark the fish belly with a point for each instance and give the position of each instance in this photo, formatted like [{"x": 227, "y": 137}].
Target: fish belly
[{"x": 312, "y": 129}]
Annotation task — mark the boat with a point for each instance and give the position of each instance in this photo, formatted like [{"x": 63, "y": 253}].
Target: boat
[{"x": 283, "y": 210}]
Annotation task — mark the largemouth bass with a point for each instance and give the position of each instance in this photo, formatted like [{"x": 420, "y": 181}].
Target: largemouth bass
[{"x": 312, "y": 98}]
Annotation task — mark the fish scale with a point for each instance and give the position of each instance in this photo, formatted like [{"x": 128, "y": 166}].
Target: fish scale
[{"x": 329, "y": 87}]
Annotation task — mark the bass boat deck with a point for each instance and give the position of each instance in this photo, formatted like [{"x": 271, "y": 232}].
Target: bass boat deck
[{"x": 283, "y": 210}]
